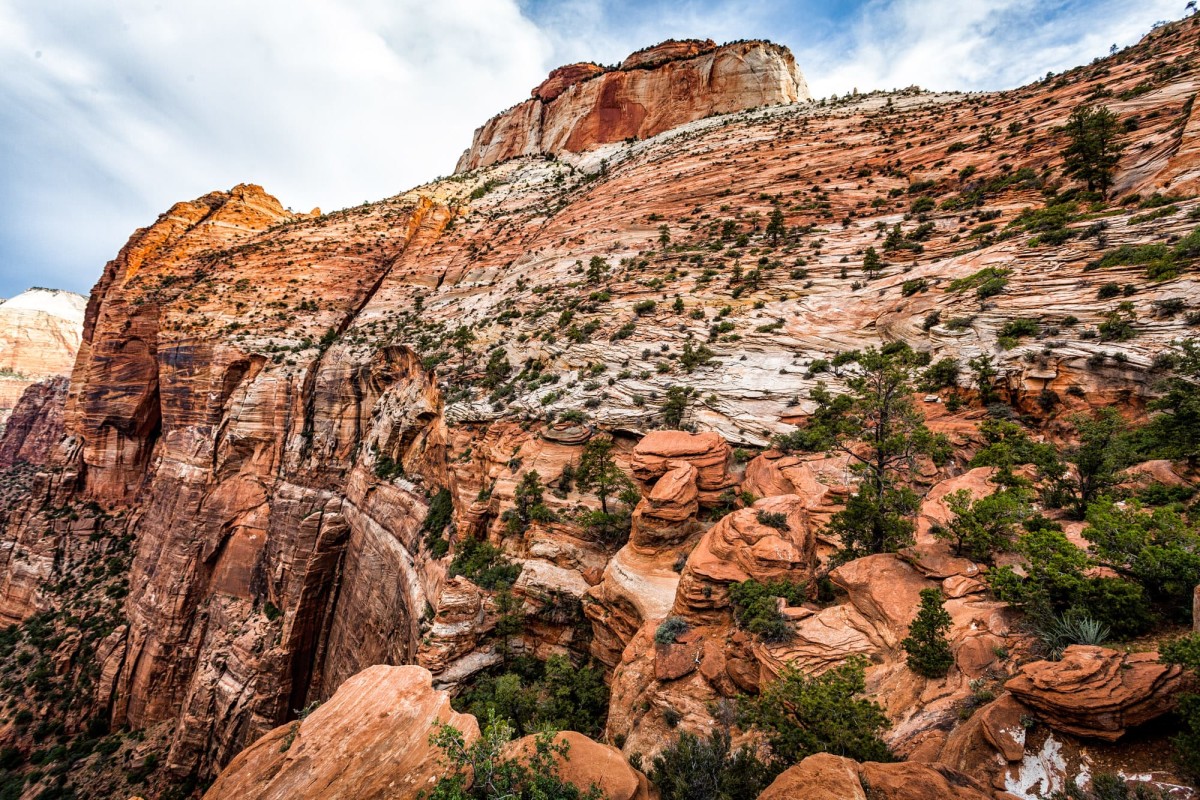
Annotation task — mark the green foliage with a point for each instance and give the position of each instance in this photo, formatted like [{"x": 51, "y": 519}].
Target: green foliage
[
  {"x": 441, "y": 509},
  {"x": 670, "y": 629},
  {"x": 776, "y": 520},
  {"x": 484, "y": 564},
  {"x": 802, "y": 715},
  {"x": 987, "y": 282},
  {"x": 693, "y": 356},
  {"x": 481, "y": 771},
  {"x": 1093, "y": 147},
  {"x": 985, "y": 378},
  {"x": 755, "y": 606},
  {"x": 532, "y": 695},
  {"x": 981, "y": 528},
  {"x": 1075, "y": 627},
  {"x": 692, "y": 768},
  {"x": 821, "y": 430},
  {"x": 676, "y": 405},
  {"x": 776, "y": 227},
  {"x": 1175, "y": 428},
  {"x": 939, "y": 375},
  {"x": 599, "y": 473},
  {"x": 1185, "y": 651},
  {"x": 928, "y": 649},
  {"x": 872, "y": 263},
  {"x": 1159, "y": 550},
  {"x": 881, "y": 429},
  {"x": 1162, "y": 262},
  {"x": 527, "y": 505},
  {"x": 1056, "y": 583},
  {"x": 1105, "y": 448}
]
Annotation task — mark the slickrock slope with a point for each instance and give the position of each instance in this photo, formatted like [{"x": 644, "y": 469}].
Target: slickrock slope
[
  {"x": 583, "y": 105},
  {"x": 40, "y": 331},
  {"x": 281, "y": 429}
]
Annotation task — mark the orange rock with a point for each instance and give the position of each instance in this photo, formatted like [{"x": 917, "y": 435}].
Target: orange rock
[
  {"x": 825, "y": 776},
  {"x": 370, "y": 740},
  {"x": 589, "y": 763},
  {"x": 654, "y": 90},
  {"x": 1098, "y": 693},
  {"x": 739, "y": 547}
]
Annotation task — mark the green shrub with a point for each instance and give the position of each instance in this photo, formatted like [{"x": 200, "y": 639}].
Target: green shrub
[
  {"x": 801, "y": 715},
  {"x": 987, "y": 282},
  {"x": 773, "y": 519},
  {"x": 533, "y": 695},
  {"x": 756, "y": 607},
  {"x": 484, "y": 564},
  {"x": 693, "y": 768},
  {"x": 670, "y": 629},
  {"x": 928, "y": 649}
]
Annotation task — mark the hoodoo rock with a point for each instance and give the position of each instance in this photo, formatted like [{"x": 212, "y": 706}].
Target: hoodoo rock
[
  {"x": 370, "y": 740},
  {"x": 708, "y": 452},
  {"x": 1096, "y": 692},
  {"x": 580, "y": 106}
]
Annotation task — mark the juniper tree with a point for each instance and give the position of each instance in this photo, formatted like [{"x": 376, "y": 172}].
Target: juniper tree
[
  {"x": 1094, "y": 148},
  {"x": 929, "y": 653}
]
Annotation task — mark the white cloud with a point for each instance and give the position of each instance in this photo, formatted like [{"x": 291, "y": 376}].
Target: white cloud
[
  {"x": 972, "y": 44},
  {"x": 111, "y": 111}
]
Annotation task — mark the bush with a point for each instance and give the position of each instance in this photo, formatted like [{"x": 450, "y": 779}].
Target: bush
[
  {"x": 1072, "y": 628},
  {"x": 756, "y": 606},
  {"x": 484, "y": 564},
  {"x": 939, "y": 375},
  {"x": 532, "y": 777},
  {"x": 533, "y": 695},
  {"x": 801, "y": 715},
  {"x": 928, "y": 649},
  {"x": 692, "y": 768},
  {"x": 773, "y": 519},
  {"x": 670, "y": 629},
  {"x": 987, "y": 282}
]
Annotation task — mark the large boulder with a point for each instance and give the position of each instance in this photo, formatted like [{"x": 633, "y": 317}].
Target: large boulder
[
  {"x": 667, "y": 513},
  {"x": 370, "y": 740},
  {"x": 589, "y": 763},
  {"x": 1096, "y": 692},
  {"x": 825, "y": 776}
]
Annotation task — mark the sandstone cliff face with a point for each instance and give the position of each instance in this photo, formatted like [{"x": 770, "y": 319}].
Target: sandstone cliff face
[
  {"x": 263, "y": 405},
  {"x": 40, "y": 332},
  {"x": 581, "y": 106}
]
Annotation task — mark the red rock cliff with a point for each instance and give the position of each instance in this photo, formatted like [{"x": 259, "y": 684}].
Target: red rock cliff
[{"x": 580, "y": 106}]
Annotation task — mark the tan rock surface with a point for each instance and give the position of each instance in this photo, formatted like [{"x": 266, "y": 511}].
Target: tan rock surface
[
  {"x": 589, "y": 763},
  {"x": 829, "y": 777}
]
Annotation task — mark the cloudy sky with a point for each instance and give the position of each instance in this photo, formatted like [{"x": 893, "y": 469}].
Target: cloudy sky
[{"x": 111, "y": 110}]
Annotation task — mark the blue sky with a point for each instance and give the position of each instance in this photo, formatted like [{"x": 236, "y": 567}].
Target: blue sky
[{"x": 111, "y": 110}]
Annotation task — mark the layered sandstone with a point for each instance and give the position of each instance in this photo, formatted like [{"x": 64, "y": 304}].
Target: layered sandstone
[
  {"x": 581, "y": 105},
  {"x": 830, "y": 777}
]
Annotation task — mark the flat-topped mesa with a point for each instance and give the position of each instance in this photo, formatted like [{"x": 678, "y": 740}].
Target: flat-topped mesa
[{"x": 583, "y": 105}]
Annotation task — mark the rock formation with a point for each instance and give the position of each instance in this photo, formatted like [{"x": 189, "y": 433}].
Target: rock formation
[
  {"x": 1096, "y": 692},
  {"x": 370, "y": 740},
  {"x": 830, "y": 777},
  {"x": 582, "y": 105}
]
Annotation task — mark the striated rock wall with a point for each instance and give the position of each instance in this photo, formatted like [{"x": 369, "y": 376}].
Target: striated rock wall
[{"x": 581, "y": 106}]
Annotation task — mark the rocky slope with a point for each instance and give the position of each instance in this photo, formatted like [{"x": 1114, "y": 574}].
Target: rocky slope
[
  {"x": 40, "y": 331},
  {"x": 265, "y": 407}
]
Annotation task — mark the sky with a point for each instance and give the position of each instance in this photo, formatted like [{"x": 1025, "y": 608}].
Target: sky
[{"x": 113, "y": 110}]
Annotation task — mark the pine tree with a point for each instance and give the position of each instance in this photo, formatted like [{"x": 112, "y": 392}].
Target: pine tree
[
  {"x": 1094, "y": 148},
  {"x": 776, "y": 226},
  {"x": 872, "y": 263},
  {"x": 928, "y": 649},
  {"x": 599, "y": 472}
]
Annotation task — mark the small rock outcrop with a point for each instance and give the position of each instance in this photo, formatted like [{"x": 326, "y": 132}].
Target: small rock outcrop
[
  {"x": 828, "y": 777},
  {"x": 580, "y": 106},
  {"x": 370, "y": 740},
  {"x": 1096, "y": 692}
]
